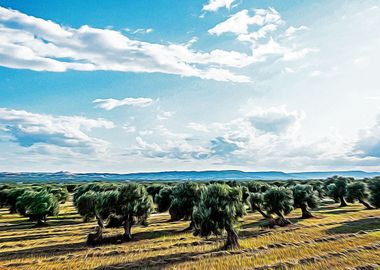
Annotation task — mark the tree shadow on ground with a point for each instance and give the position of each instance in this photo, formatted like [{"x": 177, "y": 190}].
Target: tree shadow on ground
[
  {"x": 26, "y": 224},
  {"x": 366, "y": 224},
  {"x": 264, "y": 223},
  {"x": 159, "y": 262},
  {"x": 31, "y": 237},
  {"x": 118, "y": 239},
  {"x": 340, "y": 211},
  {"x": 45, "y": 251}
]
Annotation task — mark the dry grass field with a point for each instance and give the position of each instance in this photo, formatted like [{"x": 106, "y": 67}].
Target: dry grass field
[{"x": 338, "y": 238}]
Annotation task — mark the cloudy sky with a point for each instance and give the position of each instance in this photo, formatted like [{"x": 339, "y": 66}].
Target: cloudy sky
[{"x": 128, "y": 86}]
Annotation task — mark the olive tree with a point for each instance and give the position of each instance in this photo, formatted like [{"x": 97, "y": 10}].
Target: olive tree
[
  {"x": 358, "y": 191},
  {"x": 374, "y": 187},
  {"x": 217, "y": 211},
  {"x": 134, "y": 204},
  {"x": 256, "y": 201},
  {"x": 88, "y": 205},
  {"x": 337, "y": 190},
  {"x": 279, "y": 201},
  {"x": 12, "y": 196},
  {"x": 163, "y": 199},
  {"x": 184, "y": 197},
  {"x": 305, "y": 197},
  {"x": 37, "y": 205}
]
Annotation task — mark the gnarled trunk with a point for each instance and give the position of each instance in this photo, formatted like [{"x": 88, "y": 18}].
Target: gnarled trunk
[
  {"x": 190, "y": 228},
  {"x": 127, "y": 229},
  {"x": 100, "y": 221},
  {"x": 282, "y": 221},
  {"x": 305, "y": 211},
  {"x": 232, "y": 238},
  {"x": 365, "y": 204},
  {"x": 342, "y": 202},
  {"x": 95, "y": 238},
  {"x": 258, "y": 209}
]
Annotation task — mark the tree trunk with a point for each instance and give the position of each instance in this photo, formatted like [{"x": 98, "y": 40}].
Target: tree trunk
[
  {"x": 95, "y": 238},
  {"x": 305, "y": 211},
  {"x": 232, "y": 238},
  {"x": 342, "y": 202},
  {"x": 100, "y": 221},
  {"x": 127, "y": 229},
  {"x": 365, "y": 204},
  {"x": 190, "y": 228},
  {"x": 282, "y": 221},
  {"x": 262, "y": 212},
  {"x": 39, "y": 222}
]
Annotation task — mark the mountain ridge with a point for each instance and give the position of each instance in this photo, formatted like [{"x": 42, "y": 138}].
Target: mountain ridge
[{"x": 205, "y": 175}]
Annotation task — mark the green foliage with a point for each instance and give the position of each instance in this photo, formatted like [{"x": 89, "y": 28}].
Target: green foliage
[
  {"x": 337, "y": 189},
  {"x": 357, "y": 191},
  {"x": 278, "y": 201},
  {"x": 134, "y": 202},
  {"x": 163, "y": 199},
  {"x": 218, "y": 210},
  {"x": 304, "y": 196},
  {"x": 88, "y": 204},
  {"x": 37, "y": 205},
  {"x": 96, "y": 187},
  {"x": 154, "y": 189},
  {"x": 374, "y": 187},
  {"x": 184, "y": 197},
  {"x": 11, "y": 198},
  {"x": 319, "y": 188},
  {"x": 256, "y": 201}
]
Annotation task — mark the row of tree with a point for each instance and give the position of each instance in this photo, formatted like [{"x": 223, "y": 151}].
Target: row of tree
[
  {"x": 214, "y": 208},
  {"x": 211, "y": 208},
  {"x": 33, "y": 201}
]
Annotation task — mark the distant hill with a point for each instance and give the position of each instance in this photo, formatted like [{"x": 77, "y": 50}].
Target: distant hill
[{"x": 177, "y": 175}]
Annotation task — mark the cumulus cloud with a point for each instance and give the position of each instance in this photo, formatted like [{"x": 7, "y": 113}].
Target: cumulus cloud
[
  {"x": 110, "y": 103},
  {"x": 368, "y": 143},
  {"x": 52, "y": 132},
  {"x": 32, "y": 43},
  {"x": 258, "y": 132},
  {"x": 275, "y": 120},
  {"x": 214, "y": 5},
  {"x": 267, "y": 38},
  {"x": 240, "y": 21}
]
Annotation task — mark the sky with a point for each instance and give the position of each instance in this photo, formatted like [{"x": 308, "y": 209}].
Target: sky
[{"x": 140, "y": 86}]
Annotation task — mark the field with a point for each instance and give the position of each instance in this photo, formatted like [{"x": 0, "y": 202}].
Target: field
[{"x": 337, "y": 238}]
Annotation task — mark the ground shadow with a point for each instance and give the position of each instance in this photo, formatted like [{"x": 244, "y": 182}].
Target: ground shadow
[
  {"x": 26, "y": 224},
  {"x": 158, "y": 262},
  {"x": 340, "y": 211},
  {"x": 118, "y": 239},
  {"x": 366, "y": 224},
  {"x": 31, "y": 237},
  {"x": 45, "y": 251}
]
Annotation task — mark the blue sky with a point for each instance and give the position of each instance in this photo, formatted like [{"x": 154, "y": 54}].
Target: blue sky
[{"x": 127, "y": 86}]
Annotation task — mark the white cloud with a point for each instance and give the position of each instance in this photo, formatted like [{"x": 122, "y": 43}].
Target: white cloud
[
  {"x": 41, "y": 45},
  {"x": 110, "y": 103},
  {"x": 164, "y": 115},
  {"x": 198, "y": 127},
  {"x": 240, "y": 21},
  {"x": 275, "y": 119},
  {"x": 368, "y": 143},
  {"x": 214, "y": 5},
  {"x": 292, "y": 30},
  {"x": 41, "y": 130}
]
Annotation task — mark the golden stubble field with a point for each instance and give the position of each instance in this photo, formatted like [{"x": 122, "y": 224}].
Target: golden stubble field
[{"x": 338, "y": 238}]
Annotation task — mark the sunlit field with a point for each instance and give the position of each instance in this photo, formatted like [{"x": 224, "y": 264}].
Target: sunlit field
[{"x": 336, "y": 238}]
